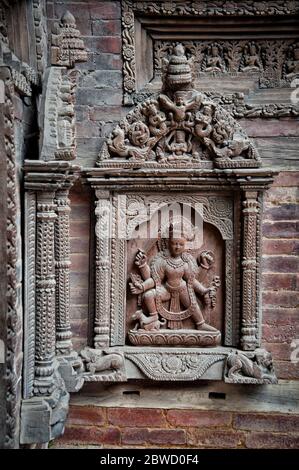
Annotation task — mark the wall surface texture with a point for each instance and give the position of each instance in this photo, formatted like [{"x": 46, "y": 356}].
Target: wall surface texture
[
  {"x": 99, "y": 108},
  {"x": 201, "y": 415}
]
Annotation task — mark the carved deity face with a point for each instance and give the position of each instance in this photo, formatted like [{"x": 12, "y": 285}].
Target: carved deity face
[
  {"x": 214, "y": 51},
  {"x": 177, "y": 246},
  {"x": 179, "y": 100}
]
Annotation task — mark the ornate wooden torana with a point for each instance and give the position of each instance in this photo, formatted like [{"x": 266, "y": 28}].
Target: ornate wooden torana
[{"x": 182, "y": 303}]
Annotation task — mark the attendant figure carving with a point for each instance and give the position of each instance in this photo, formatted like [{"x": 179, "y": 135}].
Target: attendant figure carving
[{"x": 171, "y": 279}]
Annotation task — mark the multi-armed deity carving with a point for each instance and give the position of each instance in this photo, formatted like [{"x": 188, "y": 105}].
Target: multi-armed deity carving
[
  {"x": 181, "y": 125},
  {"x": 169, "y": 293}
]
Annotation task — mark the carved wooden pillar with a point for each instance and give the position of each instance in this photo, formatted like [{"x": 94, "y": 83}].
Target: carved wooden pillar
[
  {"x": 249, "y": 329},
  {"x": 45, "y": 295},
  {"x": 62, "y": 272},
  {"x": 102, "y": 300}
]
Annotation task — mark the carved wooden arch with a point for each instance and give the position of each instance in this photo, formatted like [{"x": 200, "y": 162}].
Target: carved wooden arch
[
  {"x": 180, "y": 126},
  {"x": 216, "y": 211}
]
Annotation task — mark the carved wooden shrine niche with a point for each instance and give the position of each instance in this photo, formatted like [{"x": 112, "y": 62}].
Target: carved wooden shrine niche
[{"x": 178, "y": 188}]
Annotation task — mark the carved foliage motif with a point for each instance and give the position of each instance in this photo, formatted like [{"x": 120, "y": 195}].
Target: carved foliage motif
[
  {"x": 3, "y": 23},
  {"x": 274, "y": 61},
  {"x": 174, "y": 365},
  {"x": 45, "y": 295},
  {"x": 249, "y": 338},
  {"x": 67, "y": 45},
  {"x": 103, "y": 222},
  {"x": 216, "y": 211},
  {"x": 182, "y": 126},
  {"x": 29, "y": 301},
  {"x": 62, "y": 273},
  {"x": 217, "y": 7}
]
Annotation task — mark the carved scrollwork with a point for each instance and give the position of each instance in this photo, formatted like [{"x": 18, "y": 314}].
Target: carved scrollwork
[
  {"x": 174, "y": 366},
  {"x": 217, "y": 7}
]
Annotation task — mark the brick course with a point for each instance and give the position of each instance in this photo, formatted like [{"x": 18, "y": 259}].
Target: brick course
[{"x": 121, "y": 427}]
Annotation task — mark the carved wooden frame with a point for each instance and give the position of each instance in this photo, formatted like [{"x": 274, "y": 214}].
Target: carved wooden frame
[{"x": 244, "y": 187}]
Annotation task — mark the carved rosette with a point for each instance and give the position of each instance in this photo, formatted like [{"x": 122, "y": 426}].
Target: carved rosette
[
  {"x": 249, "y": 329},
  {"x": 128, "y": 53},
  {"x": 45, "y": 295},
  {"x": 103, "y": 272},
  {"x": 62, "y": 273}
]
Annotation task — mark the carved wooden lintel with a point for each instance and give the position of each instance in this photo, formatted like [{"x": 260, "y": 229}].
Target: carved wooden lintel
[{"x": 248, "y": 59}]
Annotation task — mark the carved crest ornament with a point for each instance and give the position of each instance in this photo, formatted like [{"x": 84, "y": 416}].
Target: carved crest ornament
[{"x": 182, "y": 126}]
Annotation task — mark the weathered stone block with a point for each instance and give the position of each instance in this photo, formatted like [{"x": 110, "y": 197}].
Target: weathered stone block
[{"x": 139, "y": 417}]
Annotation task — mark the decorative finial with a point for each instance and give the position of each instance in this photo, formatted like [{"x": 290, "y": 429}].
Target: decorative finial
[
  {"x": 178, "y": 74},
  {"x": 67, "y": 45}
]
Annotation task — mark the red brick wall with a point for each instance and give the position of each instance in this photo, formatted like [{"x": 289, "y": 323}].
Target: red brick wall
[
  {"x": 99, "y": 92},
  {"x": 156, "y": 428},
  {"x": 80, "y": 198},
  {"x": 280, "y": 272}
]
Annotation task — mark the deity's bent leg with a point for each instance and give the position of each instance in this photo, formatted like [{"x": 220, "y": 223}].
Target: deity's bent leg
[
  {"x": 149, "y": 299},
  {"x": 196, "y": 314}
]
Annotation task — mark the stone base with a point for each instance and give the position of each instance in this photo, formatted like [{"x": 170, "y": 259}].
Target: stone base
[
  {"x": 43, "y": 418},
  {"x": 194, "y": 338},
  {"x": 71, "y": 368}
]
